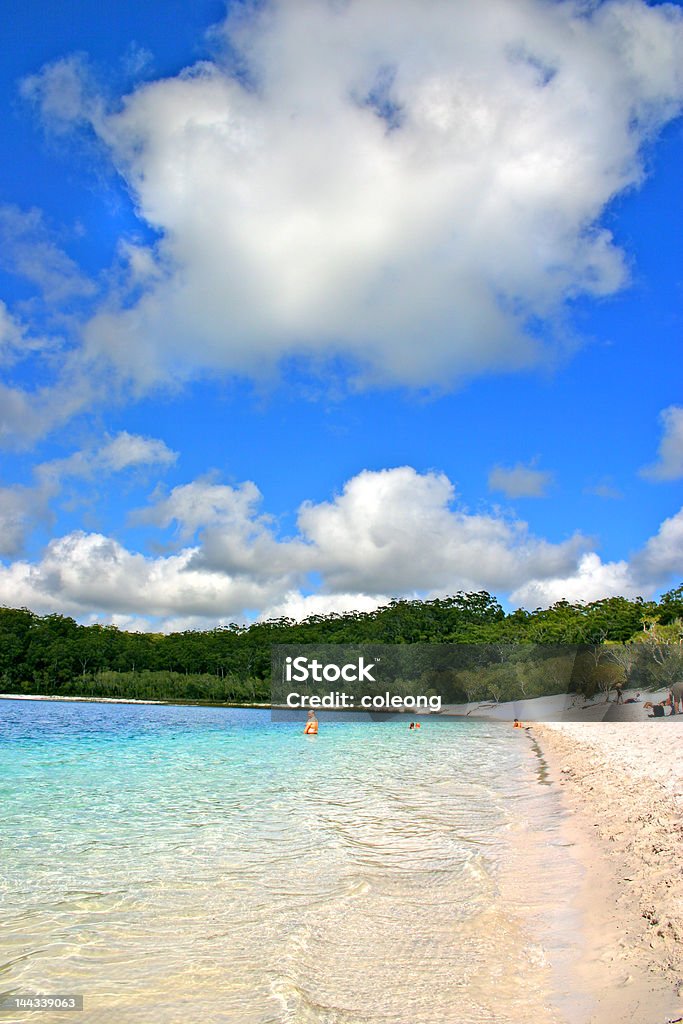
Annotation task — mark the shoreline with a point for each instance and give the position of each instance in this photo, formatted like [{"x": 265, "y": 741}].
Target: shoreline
[
  {"x": 623, "y": 796},
  {"x": 532, "y": 711},
  {"x": 131, "y": 700}
]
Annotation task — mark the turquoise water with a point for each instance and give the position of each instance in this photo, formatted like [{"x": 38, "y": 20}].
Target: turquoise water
[{"x": 199, "y": 864}]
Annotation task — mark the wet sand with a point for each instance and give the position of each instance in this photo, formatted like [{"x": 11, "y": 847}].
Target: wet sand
[{"x": 622, "y": 786}]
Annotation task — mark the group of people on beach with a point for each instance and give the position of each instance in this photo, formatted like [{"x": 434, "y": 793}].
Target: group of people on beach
[{"x": 674, "y": 700}]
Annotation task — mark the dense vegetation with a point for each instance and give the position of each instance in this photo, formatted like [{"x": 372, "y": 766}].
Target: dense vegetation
[{"x": 619, "y": 639}]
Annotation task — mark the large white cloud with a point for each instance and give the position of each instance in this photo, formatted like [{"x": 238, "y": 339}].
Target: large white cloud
[
  {"x": 591, "y": 580},
  {"x": 410, "y": 184},
  {"x": 81, "y": 573},
  {"x": 392, "y": 533},
  {"x": 396, "y": 531}
]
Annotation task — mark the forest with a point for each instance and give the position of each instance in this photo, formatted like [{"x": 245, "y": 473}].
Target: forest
[{"x": 502, "y": 655}]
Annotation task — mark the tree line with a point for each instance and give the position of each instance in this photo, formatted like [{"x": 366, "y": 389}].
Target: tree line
[{"x": 617, "y": 640}]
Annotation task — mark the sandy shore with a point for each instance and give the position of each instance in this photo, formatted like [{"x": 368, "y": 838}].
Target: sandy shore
[
  {"x": 562, "y": 708},
  {"x": 622, "y": 786}
]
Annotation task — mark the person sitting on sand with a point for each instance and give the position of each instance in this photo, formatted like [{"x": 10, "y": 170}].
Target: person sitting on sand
[
  {"x": 311, "y": 727},
  {"x": 657, "y": 709},
  {"x": 634, "y": 700}
]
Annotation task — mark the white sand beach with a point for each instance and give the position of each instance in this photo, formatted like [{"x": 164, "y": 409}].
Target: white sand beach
[
  {"x": 623, "y": 790},
  {"x": 563, "y": 707}
]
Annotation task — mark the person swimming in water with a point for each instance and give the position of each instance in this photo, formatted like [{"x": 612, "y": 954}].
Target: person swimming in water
[{"x": 311, "y": 727}]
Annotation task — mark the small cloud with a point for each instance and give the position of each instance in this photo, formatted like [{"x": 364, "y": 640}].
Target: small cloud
[
  {"x": 28, "y": 250},
  {"x": 124, "y": 451},
  {"x": 136, "y": 60},
  {"x": 604, "y": 489},
  {"x": 520, "y": 481},
  {"x": 669, "y": 464},
  {"x": 29, "y": 414},
  {"x": 15, "y": 342},
  {"x": 61, "y": 92}
]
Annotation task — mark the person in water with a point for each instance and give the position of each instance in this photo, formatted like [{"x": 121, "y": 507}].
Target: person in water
[
  {"x": 311, "y": 727},
  {"x": 412, "y": 725}
]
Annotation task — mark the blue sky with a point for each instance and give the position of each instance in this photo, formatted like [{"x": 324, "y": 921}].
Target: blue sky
[{"x": 300, "y": 316}]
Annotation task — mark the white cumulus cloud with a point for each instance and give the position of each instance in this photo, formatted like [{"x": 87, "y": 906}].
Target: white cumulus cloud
[
  {"x": 388, "y": 533},
  {"x": 591, "y": 580},
  {"x": 410, "y": 184},
  {"x": 85, "y": 572},
  {"x": 399, "y": 531}
]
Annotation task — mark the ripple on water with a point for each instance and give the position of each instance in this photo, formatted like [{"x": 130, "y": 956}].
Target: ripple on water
[{"x": 180, "y": 863}]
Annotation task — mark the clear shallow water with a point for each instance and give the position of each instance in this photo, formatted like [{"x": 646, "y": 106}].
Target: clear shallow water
[{"x": 196, "y": 864}]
